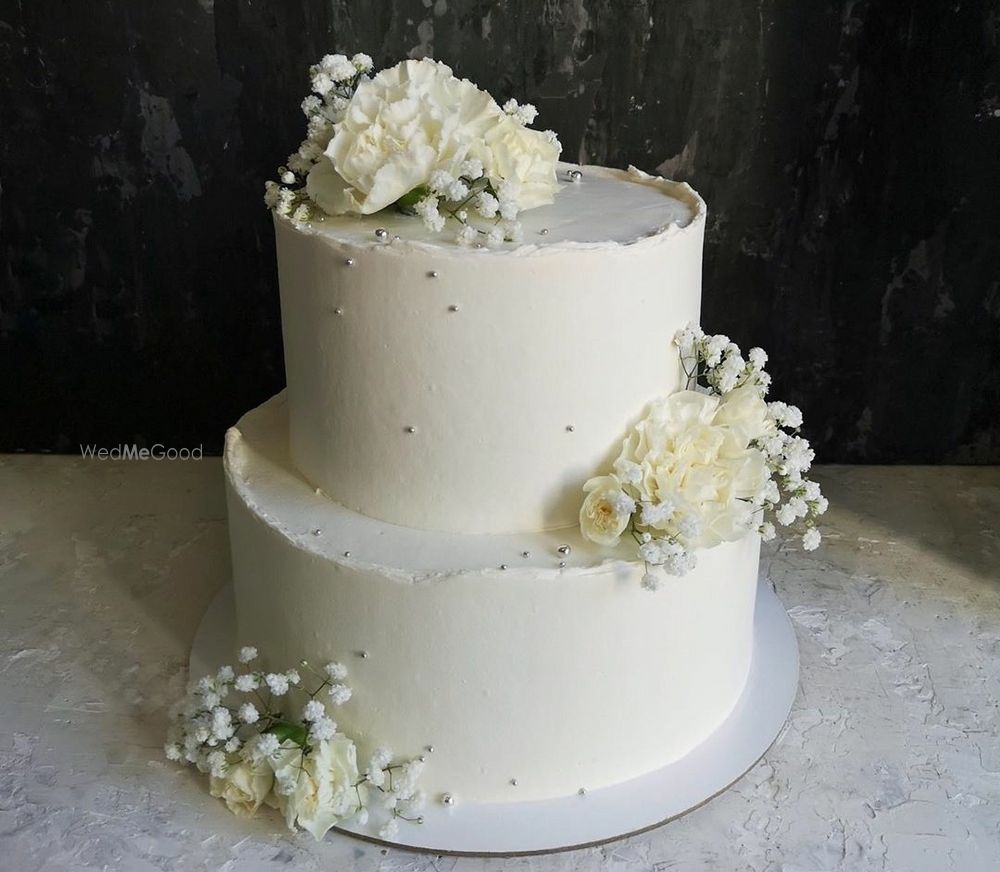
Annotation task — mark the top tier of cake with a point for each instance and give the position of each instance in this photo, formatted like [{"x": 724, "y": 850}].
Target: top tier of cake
[{"x": 475, "y": 389}]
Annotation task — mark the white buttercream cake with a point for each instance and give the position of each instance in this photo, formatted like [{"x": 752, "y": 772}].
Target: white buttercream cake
[{"x": 409, "y": 505}]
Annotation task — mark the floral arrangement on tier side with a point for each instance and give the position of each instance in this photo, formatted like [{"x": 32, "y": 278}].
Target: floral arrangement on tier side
[
  {"x": 706, "y": 465},
  {"x": 417, "y": 138},
  {"x": 238, "y": 730}
]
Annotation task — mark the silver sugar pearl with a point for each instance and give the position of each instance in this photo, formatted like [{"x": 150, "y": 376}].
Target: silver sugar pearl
[
  {"x": 420, "y": 819},
  {"x": 349, "y": 262},
  {"x": 411, "y": 429},
  {"x": 453, "y": 307},
  {"x": 479, "y": 245},
  {"x": 582, "y": 791},
  {"x": 363, "y": 655},
  {"x": 562, "y": 564},
  {"x": 317, "y": 532},
  {"x": 338, "y": 311},
  {"x": 543, "y": 232},
  {"x": 433, "y": 274},
  {"x": 513, "y": 782},
  {"x": 564, "y": 550},
  {"x": 381, "y": 234},
  {"x": 430, "y": 749},
  {"x": 447, "y": 799},
  {"x": 396, "y": 238},
  {"x": 526, "y": 554},
  {"x": 570, "y": 428},
  {"x": 575, "y": 176},
  {"x": 503, "y": 565},
  {"x": 347, "y": 554},
  {"x": 422, "y": 758}
]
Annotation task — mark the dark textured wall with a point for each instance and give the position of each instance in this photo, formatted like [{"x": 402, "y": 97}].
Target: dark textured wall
[{"x": 849, "y": 153}]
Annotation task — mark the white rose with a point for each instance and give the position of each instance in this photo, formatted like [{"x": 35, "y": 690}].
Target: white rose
[
  {"x": 606, "y": 510},
  {"x": 400, "y": 126},
  {"x": 527, "y": 159},
  {"x": 243, "y": 787},
  {"x": 316, "y": 790}
]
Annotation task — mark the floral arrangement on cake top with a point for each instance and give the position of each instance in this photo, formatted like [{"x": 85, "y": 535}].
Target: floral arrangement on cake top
[
  {"x": 706, "y": 465},
  {"x": 417, "y": 138},
  {"x": 239, "y": 730}
]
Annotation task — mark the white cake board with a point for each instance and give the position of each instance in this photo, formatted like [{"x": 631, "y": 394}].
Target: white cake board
[{"x": 599, "y": 815}]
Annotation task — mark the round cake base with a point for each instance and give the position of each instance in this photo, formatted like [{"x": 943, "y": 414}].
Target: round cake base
[{"x": 597, "y": 816}]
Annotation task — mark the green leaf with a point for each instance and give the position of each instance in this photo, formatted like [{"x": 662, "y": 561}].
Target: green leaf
[
  {"x": 409, "y": 200},
  {"x": 284, "y": 731}
]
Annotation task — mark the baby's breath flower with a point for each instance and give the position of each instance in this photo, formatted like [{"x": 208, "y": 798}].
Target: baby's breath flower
[
  {"x": 277, "y": 683},
  {"x": 785, "y": 515},
  {"x": 487, "y": 205},
  {"x": 247, "y": 682},
  {"x": 375, "y": 776},
  {"x": 457, "y": 191},
  {"x": 494, "y": 237},
  {"x": 267, "y": 745},
  {"x": 322, "y": 729},
  {"x": 427, "y": 209},
  {"x": 313, "y": 710},
  {"x": 362, "y": 62},
  {"x": 217, "y": 764},
  {"x": 292, "y": 676},
  {"x": 339, "y": 693},
  {"x": 811, "y": 539},
  {"x": 466, "y": 235},
  {"x": 471, "y": 168},
  {"x": 336, "y": 671},
  {"x": 440, "y": 181},
  {"x": 652, "y": 580},
  {"x": 381, "y": 757},
  {"x": 248, "y": 713},
  {"x": 513, "y": 231}
]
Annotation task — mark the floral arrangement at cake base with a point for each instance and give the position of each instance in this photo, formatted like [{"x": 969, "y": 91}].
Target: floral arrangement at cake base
[
  {"x": 417, "y": 138},
  {"x": 706, "y": 465},
  {"x": 240, "y": 730}
]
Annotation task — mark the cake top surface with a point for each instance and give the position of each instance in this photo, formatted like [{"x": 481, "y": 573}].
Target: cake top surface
[{"x": 606, "y": 207}]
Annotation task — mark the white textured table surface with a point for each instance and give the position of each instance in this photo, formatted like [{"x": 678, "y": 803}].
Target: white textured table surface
[{"x": 890, "y": 761}]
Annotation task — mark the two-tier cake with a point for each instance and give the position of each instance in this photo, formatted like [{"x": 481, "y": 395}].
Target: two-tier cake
[{"x": 510, "y": 490}]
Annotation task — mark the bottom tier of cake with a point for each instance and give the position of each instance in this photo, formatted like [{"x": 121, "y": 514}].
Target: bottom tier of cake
[{"x": 533, "y": 664}]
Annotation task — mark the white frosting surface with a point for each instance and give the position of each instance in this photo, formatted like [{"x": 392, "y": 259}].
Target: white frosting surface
[
  {"x": 559, "y": 678},
  {"x": 597, "y": 209},
  {"x": 463, "y": 390}
]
